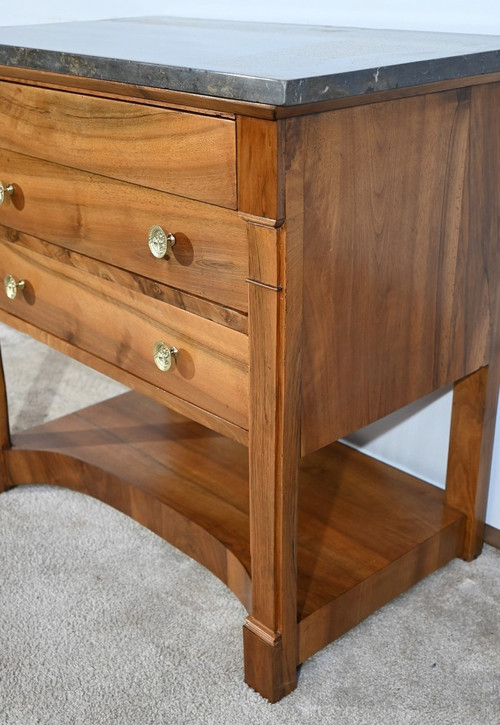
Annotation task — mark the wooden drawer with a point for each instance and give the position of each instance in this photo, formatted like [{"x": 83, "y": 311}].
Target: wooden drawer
[
  {"x": 110, "y": 220},
  {"x": 122, "y": 326},
  {"x": 185, "y": 153}
]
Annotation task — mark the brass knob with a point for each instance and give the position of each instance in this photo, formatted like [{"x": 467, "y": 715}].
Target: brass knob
[
  {"x": 9, "y": 189},
  {"x": 163, "y": 355},
  {"x": 159, "y": 242},
  {"x": 11, "y": 286}
]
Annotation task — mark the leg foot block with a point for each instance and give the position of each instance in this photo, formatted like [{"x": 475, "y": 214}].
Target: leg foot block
[{"x": 265, "y": 670}]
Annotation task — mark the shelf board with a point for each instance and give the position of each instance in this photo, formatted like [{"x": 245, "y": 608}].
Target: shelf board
[{"x": 367, "y": 531}]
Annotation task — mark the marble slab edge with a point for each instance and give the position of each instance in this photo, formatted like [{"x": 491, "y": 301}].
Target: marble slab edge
[{"x": 254, "y": 89}]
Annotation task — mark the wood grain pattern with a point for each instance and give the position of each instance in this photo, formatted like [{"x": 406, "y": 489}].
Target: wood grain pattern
[
  {"x": 275, "y": 322},
  {"x": 121, "y": 327},
  {"x": 159, "y": 468},
  {"x": 369, "y": 235},
  {"x": 352, "y": 607},
  {"x": 467, "y": 424},
  {"x": 171, "y": 401},
  {"x": 366, "y": 531},
  {"x": 387, "y": 190},
  {"x": 354, "y": 521},
  {"x": 475, "y": 398},
  {"x": 260, "y": 147},
  {"x": 110, "y": 221},
  {"x": 221, "y": 314},
  {"x": 185, "y": 153},
  {"x": 264, "y": 245}
]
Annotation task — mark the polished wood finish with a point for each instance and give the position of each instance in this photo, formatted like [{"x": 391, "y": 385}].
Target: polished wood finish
[
  {"x": 474, "y": 416},
  {"x": 185, "y": 153},
  {"x": 173, "y": 402},
  {"x": 222, "y": 314},
  {"x": 361, "y": 240},
  {"x": 110, "y": 220},
  {"x": 467, "y": 427},
  {"x": 271, "y": 636},
  {"x": 264, "y": 245},
  {"x": 97, "y": 316},
  {"x": 156, "y": 466},
  {"x": 274, "y": 441},
  {"x": 366, "y": 531},
  {"x": 260, "y": 167},
  {"x": 5, "y": 442},
  {"x": 391, "y": 259}
]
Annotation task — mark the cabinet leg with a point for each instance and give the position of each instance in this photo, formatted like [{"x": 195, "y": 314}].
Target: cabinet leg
[
  {"x": 266, "y": 668},
  {"x": 4, "y": 427},
  {"x": 469, "y": 459},
  {"x": 271, "y": 632}
]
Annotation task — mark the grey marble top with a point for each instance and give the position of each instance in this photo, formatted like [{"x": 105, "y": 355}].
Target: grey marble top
[{"x": 264, "y": 63}]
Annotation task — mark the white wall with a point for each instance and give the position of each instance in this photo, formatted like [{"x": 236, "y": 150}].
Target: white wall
[
  {"x": 481, "y": 16},
  {"x": 415, "y": 439}
]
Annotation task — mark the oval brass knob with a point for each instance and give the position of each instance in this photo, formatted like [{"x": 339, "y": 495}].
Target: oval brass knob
[
  {"x": 11, "y": 286},
  {"x": 159, "y": 242},
  {"x": 163, "y": 355},
  {"x": 9, "y": 189}
]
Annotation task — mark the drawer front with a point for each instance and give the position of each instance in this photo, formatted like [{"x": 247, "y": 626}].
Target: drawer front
[
  {"x": 184, "y": 153},
  {"x": 122, "y": 327},
  {"x": 110, "y": 220}
]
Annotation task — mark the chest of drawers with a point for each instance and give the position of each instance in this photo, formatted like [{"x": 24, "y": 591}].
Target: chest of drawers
[{"x": 270, "y": 264}]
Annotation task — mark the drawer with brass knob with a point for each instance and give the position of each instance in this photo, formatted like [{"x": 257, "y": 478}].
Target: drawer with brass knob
[
  {"x": 189, "y": 154},
  {"x": 190, "y": 357},
  {"x": 197, "y": 248}
]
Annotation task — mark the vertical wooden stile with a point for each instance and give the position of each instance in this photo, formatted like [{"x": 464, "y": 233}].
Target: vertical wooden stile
[
  {"x": 475, "y": 397},
  {"x": 275, "y": 306}
]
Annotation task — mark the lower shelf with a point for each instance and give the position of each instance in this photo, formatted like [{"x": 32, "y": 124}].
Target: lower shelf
[{"x": 367, "y": 532}]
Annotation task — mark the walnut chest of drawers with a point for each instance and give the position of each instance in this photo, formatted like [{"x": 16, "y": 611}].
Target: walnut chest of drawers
[{"x": 270, "y": 261}]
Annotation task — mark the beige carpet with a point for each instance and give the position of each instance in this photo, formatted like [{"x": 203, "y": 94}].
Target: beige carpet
[{"x": 101, "y": 622}]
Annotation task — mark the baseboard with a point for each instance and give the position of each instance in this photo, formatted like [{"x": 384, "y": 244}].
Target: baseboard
[{"x": 492, "y": 536}]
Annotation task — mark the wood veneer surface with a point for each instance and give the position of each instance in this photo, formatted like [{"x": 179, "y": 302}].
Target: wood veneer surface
[
  {"x": 357, "y": 516},
  {"x": 121, "y": 327},
  {"x": 109, "y": 220},
  {"x": 394, "y": 245},
  {"x": 185, "y": 153}
]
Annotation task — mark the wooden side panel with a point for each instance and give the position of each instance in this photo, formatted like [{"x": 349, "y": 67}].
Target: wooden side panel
[
  {"x": 185, "y": 153},
  {"x": 397, "y": 298},
  {"x": 110, "y": 220}
]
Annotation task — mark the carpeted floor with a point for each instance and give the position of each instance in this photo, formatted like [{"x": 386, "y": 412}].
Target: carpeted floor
[{"x": 103, "y": 623}]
